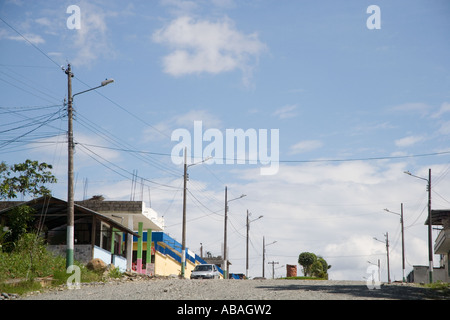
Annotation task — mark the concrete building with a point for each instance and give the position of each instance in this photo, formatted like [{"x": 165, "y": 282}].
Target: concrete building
[
  {"x": 442, "y": 242},
  {"x": 162, "y": 255},
  {"x": 132, "y": 214},
  {"x": 419, "y": 274},
  {"x": 96, "y": 235}
]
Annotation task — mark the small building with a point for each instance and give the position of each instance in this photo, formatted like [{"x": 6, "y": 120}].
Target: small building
[
  {"x": 162, "y": 255},
  {"x": 95, "y": 235},
  {"x": 442, "y": 242},
  {"x": 419, "y": 274},
  {"x": 132, "y": 214}
]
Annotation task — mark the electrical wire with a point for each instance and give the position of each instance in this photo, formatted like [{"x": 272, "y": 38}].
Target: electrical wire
[
  {"x": 120, "y": 168},
  {"x": 31, "y": 43}
]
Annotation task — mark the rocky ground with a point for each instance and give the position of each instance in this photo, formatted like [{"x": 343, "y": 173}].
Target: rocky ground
[{"x": 136, "y": 287}]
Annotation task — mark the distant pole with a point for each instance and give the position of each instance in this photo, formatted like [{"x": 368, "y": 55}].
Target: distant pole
[
  {"x": 183, "y": 242},
  {"x": 264, "y": 255},
  {"x": 246, "y": 256},
  {"x": 225, "y": 268},
  {"x": 430, "y": 237},
  {"x": 403, "y": 243},
  {"x": 379, "y": 270},
  {"x": 387, "y": 250},
  {"x": 273, "y": 263},
  {"x": 70, "y": 193}
]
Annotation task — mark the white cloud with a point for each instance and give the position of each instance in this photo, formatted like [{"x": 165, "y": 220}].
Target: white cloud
[
  {"x": 408, "y": 141},
  {"x": 305, "y": 146},
  {"x": 286, "y": 112},
  {"x": 185, "y": 121},
  {"x": 31, "y": 37},
  {"x": 445, "y": 128},
  {"x": 202, "y": 46},
  {"x": 445, "y": 107},
  {"x": 413, "y": 107},
  {"x": 91, "y": 40},
  {"x": 333, "y": 210}
]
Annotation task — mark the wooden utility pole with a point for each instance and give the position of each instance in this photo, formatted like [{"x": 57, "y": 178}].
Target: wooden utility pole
[
  {"x": 430, "y": 237},
  {"x": 225, "y": 267},
  {"x": 273, "y": 263},
  {"x": 264, "y": 255},
  {"x": 246, "y": 255},
  {"x": 70, "y": 192},
  {"x": 387, "y": 250},
  {"x": 183, "y": 241}
]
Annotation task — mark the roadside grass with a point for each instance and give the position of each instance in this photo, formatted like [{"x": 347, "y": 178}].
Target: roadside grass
[
  {"x": 441, "y": 287},
  {"x": 31, "y": 267}
]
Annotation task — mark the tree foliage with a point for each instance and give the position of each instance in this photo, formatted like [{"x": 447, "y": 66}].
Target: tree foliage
[
  {"x": 313, "y": 265},
  {"x": 25, "y": 178},
  {"x": 19, "y": 223},
  {"x": 306, "y": 260}
]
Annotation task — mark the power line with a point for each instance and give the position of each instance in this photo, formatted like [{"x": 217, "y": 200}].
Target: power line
[
  {"x": 293, "y": 161},
  {"x": 122, "y": 169},
  {"x": 34, "y": 46}
]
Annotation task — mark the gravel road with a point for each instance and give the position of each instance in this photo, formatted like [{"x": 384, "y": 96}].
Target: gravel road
[{"x": 185, "y": 289}]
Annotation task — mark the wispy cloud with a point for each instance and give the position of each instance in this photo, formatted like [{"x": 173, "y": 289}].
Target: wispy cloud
[
  {"x": 445, "y": 107},
  {"x": 414, "y": 107},
  {"x": 185, "y": 120},
  {"x": 305, "y": 146},
  {"x": 27, "y": 37},
  {"x": 408, "y": 141},
  {"x": 285, "y": 112},
  {"x": 91, "y": 41},
  {"x": 203, "y": 46}
]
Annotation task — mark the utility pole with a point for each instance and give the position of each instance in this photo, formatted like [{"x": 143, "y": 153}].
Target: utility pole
[
  {"x": 273, "y": 263},
  {"x": 225, "y": 267},
  {"x": 403, "y": 243},
  {"x": 387, "y": 250},
  {"x": 183, "y": 241},
  {"x": 264, "y": 255},
  {"x": 70, "y": 189},
  {"x": 430, "y": 237},
  {"x": 403, "y": 238},
  {"x": 70, "y": 192},
  {"x": 246, "y": 256}
]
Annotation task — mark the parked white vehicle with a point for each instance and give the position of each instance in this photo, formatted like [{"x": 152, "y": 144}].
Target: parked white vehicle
[{"x": 205, "y": 271}]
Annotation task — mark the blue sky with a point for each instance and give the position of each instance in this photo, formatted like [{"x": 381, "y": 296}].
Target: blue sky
[{"x": 335, "y": 89}]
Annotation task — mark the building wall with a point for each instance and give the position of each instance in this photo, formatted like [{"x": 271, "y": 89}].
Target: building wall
[
  {"x": 419, "y": 274},
  {"x": 166, "y": 255},
  {"x": 165, "y": 265},
  {"x": 82, "y": 252}
]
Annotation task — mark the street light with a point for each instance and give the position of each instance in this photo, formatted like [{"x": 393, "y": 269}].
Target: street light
[
  {"x": 248, "y": 230},
  {"x": 225, "y": 266},
  {"x": 403, "y": 238},
  {"x": 264, "y": 253},
  {"x": 70, "y": 189},
  {"x": 379, "y": 268},
  {"x": 387, "y": 251},
  {"x": 430, "y": 244},
  {"x": 183, "y": 241}
]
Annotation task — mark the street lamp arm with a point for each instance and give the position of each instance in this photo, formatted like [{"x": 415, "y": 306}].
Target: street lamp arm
[
  {"x": 270, "y": 243},
  {"x": 104, "y": 83},
  {"x": 410, "y": 174},
  {"x": 204, "y": 160},
  {"x": 387, "y": 210},
  {"x": 240, "y": 197}
]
